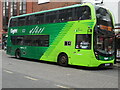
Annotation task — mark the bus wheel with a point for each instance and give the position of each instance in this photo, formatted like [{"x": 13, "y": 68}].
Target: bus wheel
[
  {"x": 18, "y": 54},
  {"x": 63, "y": 60}
]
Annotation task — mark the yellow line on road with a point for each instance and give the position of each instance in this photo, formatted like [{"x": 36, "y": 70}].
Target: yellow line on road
[
  {"x": 31, "y": 78},
  {"x": 8, "y": 71}
]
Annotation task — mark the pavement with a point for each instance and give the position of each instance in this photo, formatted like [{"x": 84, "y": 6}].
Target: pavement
[{"x": 117, "y": 64}]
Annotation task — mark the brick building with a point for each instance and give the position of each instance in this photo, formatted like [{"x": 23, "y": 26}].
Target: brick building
[
  {"x": 0, "y": 22},
  {"x": 8, "y": 9}
]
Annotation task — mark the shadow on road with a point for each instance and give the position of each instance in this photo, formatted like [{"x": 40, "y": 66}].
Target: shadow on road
[{"x": 69, "y": 66}]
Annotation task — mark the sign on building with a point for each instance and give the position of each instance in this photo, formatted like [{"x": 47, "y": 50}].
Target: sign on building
[{"x": 43, "y": 1}]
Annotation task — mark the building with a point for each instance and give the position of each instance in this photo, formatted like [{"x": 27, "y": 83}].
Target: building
[
  {"x": 1, "y": 22},
  {"x": 8, "y": 9}
]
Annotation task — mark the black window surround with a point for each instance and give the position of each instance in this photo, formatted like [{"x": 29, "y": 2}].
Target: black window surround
[
  {"x": 64, "y": 15},
  {"x": 31, "y": 40}
]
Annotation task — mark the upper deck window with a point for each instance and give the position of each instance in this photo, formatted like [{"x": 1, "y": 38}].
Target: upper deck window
[
  {"x": 82, "y": 13},
  {"x": 63, "y": 15},
  {"x": 13, "y": 22},
  {"x": 103, "y": 17}
]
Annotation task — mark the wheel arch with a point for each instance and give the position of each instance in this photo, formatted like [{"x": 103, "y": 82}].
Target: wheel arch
[
  {"x": 17, "y": 49},
  {"x": 60, "y": 54}
]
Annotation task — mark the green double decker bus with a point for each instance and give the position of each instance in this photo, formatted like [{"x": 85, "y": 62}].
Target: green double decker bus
[{"x": 80, "y": 34}]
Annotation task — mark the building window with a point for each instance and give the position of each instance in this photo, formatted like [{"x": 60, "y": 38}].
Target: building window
[
  {"x": 5, "y": 14},
  {"x": 23, "y": 7},
  {"x": 13, "y": 8}
]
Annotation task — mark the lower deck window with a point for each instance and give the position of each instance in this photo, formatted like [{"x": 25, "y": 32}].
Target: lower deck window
[
  {"x": 31, "y": 40},
  {"x": 83, "y": 41}
]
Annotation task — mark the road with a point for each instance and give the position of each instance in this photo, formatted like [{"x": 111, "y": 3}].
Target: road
[{"x": 26, "y": 73}]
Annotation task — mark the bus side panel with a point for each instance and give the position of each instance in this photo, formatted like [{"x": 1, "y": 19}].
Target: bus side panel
[
  {"x": 58, "y": 46},
  {"x": 35, "y": 52}
]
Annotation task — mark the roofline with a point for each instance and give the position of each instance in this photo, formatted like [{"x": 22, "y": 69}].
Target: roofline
[{"x": 76, "y": 5}]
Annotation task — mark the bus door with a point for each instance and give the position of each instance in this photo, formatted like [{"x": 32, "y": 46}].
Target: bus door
[{"x": 82, "y": 48}]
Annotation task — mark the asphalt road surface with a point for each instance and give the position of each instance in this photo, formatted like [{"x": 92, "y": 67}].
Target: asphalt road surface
[{"x": 26, "y": 73}]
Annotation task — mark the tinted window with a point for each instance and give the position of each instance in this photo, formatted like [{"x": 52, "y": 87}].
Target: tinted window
[
  {"x": 28, "y": 40},
  {"x": 51, "y": 17},
  {"x": 30, "y": 20},
  {"x": 77, "y": 13},
  {"x": 21, "y": 21},
  {"x": 82, "y": 13},
  {"x": 39, "y": 19},
  {"x": 31, "y": 40},
  {"x": 13, "y": 22},
  {"x": 103, "y": 17},
  {"x": 65, "y": 15},
  {"x": 83, "y": 41},
  {"x": 40, "y": 40},
  {"x": 17, "y": 40}
]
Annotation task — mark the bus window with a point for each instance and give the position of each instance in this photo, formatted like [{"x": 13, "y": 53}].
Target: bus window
[
  {"x": 13, "y": 40},
  {"x": 65, "y": 15},
  {"x": 39, "y": 18},
  {"x": 28, "y": 40},
  {"x": 105, "y": 45},
  {"x": 43, "y": 40},
  {"x": 30, "y": 20},
  {"x": 21, "y": 21},
  {"x": 77, "y": 13},
  {"x": 13, "y": 22},
  {"x": 51, "y": 17},
  {"x": 82, "y": 13},
  {"x": 36, "y": 40},
  {"x": 17, "y": 40},
  {"x": 83, "y": 41},
  {"x": 85, "y": 13},
  {"x": 20, "y": 40}
]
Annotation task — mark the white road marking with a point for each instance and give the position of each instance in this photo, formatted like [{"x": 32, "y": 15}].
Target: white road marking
[
  {"x": 62, "y": 86},
  {"x": 68, "y": 74},
  {"x": 8, "y": 71},
  {"x": 31, "y": 78}
]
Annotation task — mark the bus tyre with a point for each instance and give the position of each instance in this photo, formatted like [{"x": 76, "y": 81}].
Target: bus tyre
[
  {"x": 63, "y": 60},
  {"x": 18, "y": 54}
]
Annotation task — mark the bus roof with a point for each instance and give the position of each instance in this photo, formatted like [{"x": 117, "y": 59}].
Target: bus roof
[{"x": 76, "y": 5}]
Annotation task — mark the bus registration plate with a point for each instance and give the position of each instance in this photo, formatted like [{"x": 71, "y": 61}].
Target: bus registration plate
[{"x": 108, "y": 64}]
